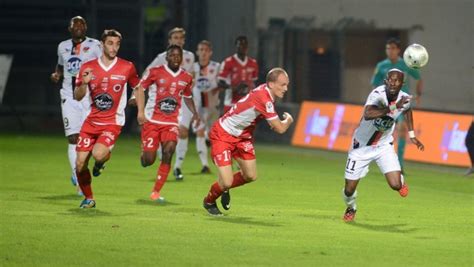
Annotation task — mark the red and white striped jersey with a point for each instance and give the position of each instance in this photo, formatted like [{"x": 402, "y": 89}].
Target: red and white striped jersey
[
  {"x": 241, "y": 119},
  {"x": 378, "y": 131},
  {"x": 108, "y": 90},
  {"x": 164, "y": 98}
]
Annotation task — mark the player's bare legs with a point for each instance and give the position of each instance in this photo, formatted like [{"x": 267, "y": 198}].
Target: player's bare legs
[
  {"x": 148, "y": 158},
  {"x": 101, "y": 154},
  {"x": 228, "y": 179},
  {"x": 401, "y": 132},
  {"x": 397, "y": 182},
  {"x": 349, "y": 195},
  {"x": 181, "y": 150},
  {"x": 84, "y": 178},
  {"x": 168, "y": 149}
]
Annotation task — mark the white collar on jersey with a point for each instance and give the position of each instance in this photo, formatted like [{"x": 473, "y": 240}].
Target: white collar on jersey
[
  {"x": 240, "y": 61},
  {"x": 269, "y": 92},
  {"x": 174, "y": 74},
  {"x": 101, "y": 64}
]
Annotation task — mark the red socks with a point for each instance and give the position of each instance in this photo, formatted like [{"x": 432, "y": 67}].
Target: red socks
[
  {"x": 85, "y": 180},
  {"x": 216, "y": 191},
  {"x": 238, "y": 180},
  {"x": 161, "y": 177}
]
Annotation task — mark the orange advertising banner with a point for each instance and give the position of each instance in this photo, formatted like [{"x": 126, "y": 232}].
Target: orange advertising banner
[{"x": 331, "y": 125}]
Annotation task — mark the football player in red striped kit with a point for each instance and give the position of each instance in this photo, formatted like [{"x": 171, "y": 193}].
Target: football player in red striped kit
[{"x": 232, "y": 137}]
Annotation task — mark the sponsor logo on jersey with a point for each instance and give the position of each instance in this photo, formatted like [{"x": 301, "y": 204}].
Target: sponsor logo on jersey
[
  {"x": 203, "y": 84},
  {"x": 118, "y": 77},
  {"x": 73, "y": 65},
  {"x": 103, "y": 101},
  {"x": 182, "y": 83},
  {"x": 86, "y": 49},
  {"x": 269, "y": 107},
  {"x": 384, "y": 123},
  {"x": 168, "y": 105}
]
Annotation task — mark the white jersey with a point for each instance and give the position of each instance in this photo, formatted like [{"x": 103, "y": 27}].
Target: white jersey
[
  {"x": 187, "y": 64},
  {"x": 205, "y": 79},
  {"x": 72, "y": 57},
  {"x": 378, "y": 131}
]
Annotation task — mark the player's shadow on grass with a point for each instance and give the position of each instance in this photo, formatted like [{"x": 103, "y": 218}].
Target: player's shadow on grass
[
  {"x": 156, "y": 203},
  {"x": 87, "y": 213},
  {"x": 389, "y": 228},
  {"x": 61, "y": 197},
  {"x": 244, "y": 220}
]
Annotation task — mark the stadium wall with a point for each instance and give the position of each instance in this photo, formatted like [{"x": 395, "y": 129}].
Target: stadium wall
[{"x": 443, "y": 26}]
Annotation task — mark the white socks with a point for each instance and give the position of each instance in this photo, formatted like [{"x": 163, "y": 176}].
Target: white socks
[
  {"x": 402, "y": 179},
  {"x": 350, "y": 201},
  {"x": 202, "y": 150},
  {"x": 181, "y": 149},
  {"x": 72, "y": 155}
]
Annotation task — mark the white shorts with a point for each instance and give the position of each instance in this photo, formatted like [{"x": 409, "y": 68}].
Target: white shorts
[
  {"x": 74, "y": 113},
  {"x": 358, "y": 160},
  {"x": 185, "y": 117}
]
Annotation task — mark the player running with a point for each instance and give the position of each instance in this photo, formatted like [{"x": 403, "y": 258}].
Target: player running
[
  {"x": 393, "y": 60},
  {"x": 106, "y": 81},
  {"x": 160, "y": 116},
  {"x": 232, "y": 137},
  {"x": 238, "y": 73},
  {"x": 373, "y": 139},
  {"x": 205, "y": 95},
  {"x": 72, "y": 53}
]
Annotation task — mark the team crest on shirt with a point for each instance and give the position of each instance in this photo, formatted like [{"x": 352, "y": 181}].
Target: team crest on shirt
[
  {"x": 103, "y": 101},
  {"x": 162, "y": 81},
  {"x": 384, "y": 123},
  {"x": 269, "y": 107},
  {"x": 117, "y": 88}
]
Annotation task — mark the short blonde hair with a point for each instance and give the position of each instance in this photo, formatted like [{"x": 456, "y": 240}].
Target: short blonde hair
[{"x": 175, "y": 30}]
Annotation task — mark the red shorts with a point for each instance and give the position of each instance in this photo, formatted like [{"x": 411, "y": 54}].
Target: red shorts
[
  {"x": 92, "y": 133},
  {"x": 224, "y": 147},
  {"x": 154, "y": 134}
]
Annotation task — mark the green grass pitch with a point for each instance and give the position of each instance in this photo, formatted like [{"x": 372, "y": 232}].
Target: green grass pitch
[{"x": 290, "y": 217}]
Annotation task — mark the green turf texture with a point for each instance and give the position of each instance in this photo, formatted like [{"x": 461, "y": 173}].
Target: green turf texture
[{"x": 291, "y": 216}]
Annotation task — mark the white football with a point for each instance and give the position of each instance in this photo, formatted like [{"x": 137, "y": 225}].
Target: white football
[{"x": 415, "y": 56}]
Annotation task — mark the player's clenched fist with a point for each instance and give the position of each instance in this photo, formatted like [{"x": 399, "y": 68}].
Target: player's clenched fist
[
  {"x": 87, "y": 76},
  {"x": 55, "y": 77},
  {"x": 287, "y": 117}
]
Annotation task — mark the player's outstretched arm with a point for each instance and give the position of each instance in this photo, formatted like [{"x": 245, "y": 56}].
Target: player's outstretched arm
[
  {"x": 280, "y": 126},
  {"x": 411, "y": 133},
  {"x": 80, "y": 91},
  {"x": 372, "y": 112},
  {"x": 139, "y": 93}
]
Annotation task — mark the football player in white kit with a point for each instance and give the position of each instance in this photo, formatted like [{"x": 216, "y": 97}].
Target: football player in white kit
[
  {"x": 373, "y": 139},
  {"x": 205, "y": 92},
  {"x": 72, "y": 53}
]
